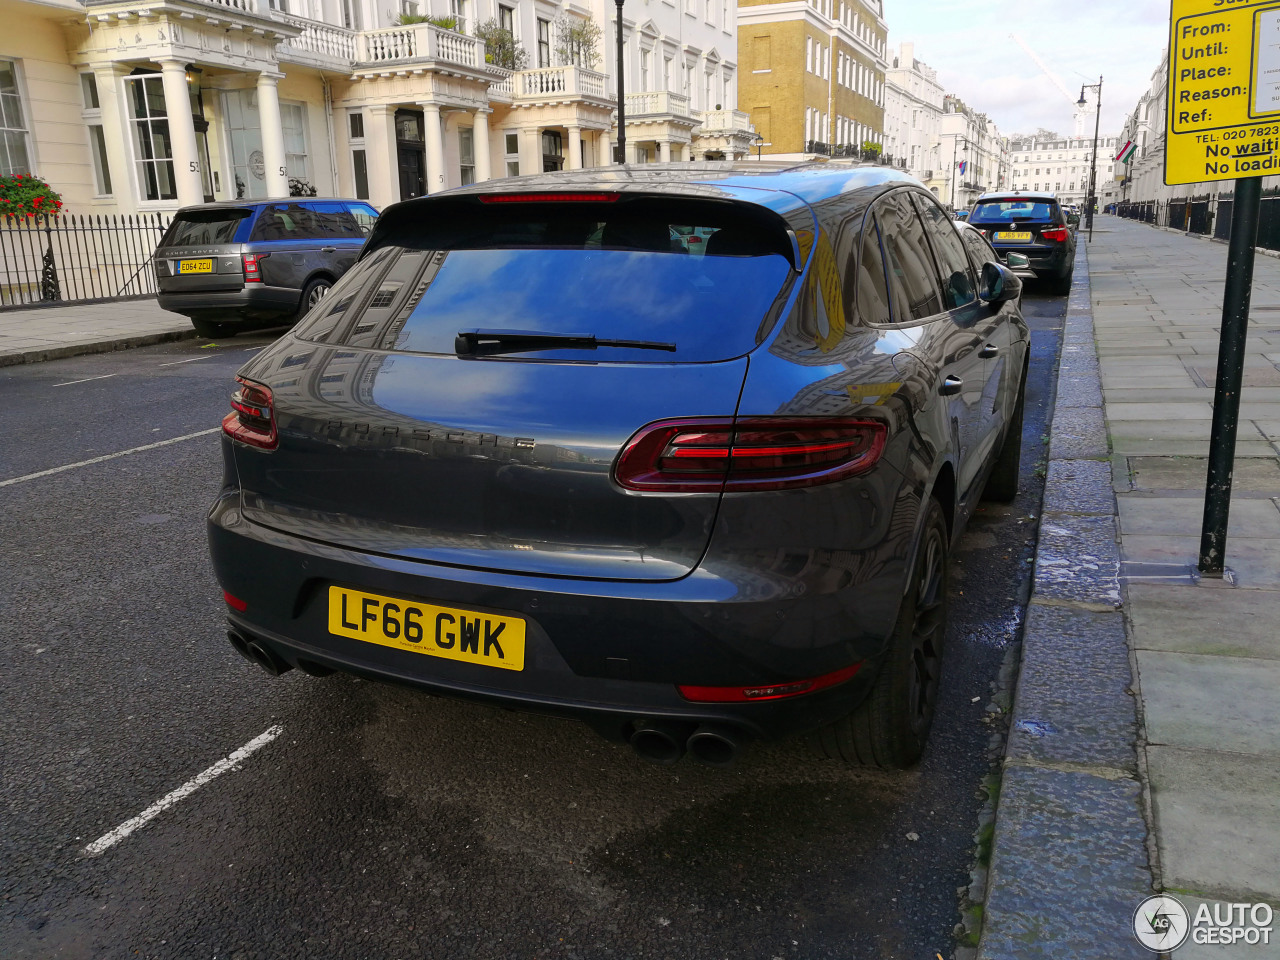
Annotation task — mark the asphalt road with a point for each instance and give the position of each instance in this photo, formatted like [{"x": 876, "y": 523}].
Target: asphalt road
[{"x": 382, "y": 823}]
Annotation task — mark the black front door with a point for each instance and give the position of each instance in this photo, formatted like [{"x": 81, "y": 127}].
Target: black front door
[{"x": 410, "y": 154}]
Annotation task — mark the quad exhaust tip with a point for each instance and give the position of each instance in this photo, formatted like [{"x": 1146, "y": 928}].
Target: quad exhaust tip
[{"x": 666, "y": 741}]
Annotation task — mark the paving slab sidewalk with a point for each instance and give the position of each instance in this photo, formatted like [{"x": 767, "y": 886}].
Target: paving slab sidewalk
[
  {"x": 68, "y": 330},
  {"x": 1144, "y": 750}
]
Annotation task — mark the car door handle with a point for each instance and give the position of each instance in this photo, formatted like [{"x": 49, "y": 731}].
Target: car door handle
[
  {"x": 988, "y": 351},
  {"x": 328, "y": 249},
  {"x": 950, "y": 386}
]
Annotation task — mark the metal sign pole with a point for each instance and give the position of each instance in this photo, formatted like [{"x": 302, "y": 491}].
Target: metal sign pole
[{"x": 1226, "y": 397}]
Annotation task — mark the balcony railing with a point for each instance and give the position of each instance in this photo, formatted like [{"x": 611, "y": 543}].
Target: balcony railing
[
  {"x": 321, "y": 40},
  {"x": 419, "y": 41},
  {"x": 500, "y": 85},
  {"x": 725, "y": 120},
  {"x": 657, "y": 101},
  {"x": 557, "y": 82}
]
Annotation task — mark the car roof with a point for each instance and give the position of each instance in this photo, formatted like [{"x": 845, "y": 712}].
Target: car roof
[
  {"x": 1018, "y": 195},
  {"x": 811, "y": 182},
  {"x": 262, "y": 202}
]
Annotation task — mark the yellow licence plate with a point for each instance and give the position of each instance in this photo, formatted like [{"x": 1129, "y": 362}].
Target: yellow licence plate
[
  {"x": 448, "y": 632},
  {"x": 1013, "y": 236},
  {"x": 195, "y": 266}
]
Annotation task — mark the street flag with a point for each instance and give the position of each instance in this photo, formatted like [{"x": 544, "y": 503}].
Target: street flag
[
  {"x": 962, "y": 165},
  {"x": 1127, "y": 151}
]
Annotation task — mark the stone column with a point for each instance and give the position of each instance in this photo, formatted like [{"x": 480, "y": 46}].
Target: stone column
[
  {"x": 480, "y": 137},
  {"x": 381, "y": 156},
  {"x": 574, "y": 147},
  {"x": 664, "y": 151},
  {"x": 530, "y": 151},
  {"x": 433, "y": 140},
  {"x": 277, "y": 178},
  {"x": 182, "y": 133},
  {"x": 116, "y": 130},
  {"x": 604, "y": 148},
  {"x": 631, "y": 151}
]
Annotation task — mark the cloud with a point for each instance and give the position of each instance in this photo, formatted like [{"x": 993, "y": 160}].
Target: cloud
[{"x": 968, "y": 43}]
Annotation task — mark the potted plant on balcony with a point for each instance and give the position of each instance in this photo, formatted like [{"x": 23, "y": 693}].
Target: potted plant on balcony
[
  {"x": 501, "y": 47},
  {"x": 444, "y": 23},
  {"x": 577, "y": 42}
]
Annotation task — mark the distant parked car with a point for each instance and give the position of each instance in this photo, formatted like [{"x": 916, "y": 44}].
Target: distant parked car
[
  {"x": 530, "y": 452},
  {"x": 236, "y": 264},
  {"x": 1034, "y": 225},
  {"x": 962, "y": 214}
]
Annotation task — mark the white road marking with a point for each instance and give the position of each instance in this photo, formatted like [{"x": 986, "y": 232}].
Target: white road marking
[
  {"x": 174, "y": 363},
  {"x": 110, "y": 456},
  {"x": 85, "y": 380},
  {"x": 108, "y": 840}
]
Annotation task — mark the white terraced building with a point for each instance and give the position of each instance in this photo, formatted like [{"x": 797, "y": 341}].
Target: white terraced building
[{"x": 129, "y": 106}]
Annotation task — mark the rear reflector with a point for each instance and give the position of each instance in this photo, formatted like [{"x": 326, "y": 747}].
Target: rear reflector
[
  {"x": 252, "y": 419},
  {"x": 761, "y": 453},
  {"x": 1059, "y": 234},
  {"x": 235, "y": 603},
  {"x": 772, "y": 691},
  {"x": 548, "y": 198}
]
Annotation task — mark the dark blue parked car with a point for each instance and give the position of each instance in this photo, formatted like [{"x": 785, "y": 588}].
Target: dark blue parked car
[
  {"x": 532, "y": 451},
  {"x": 229, "y": 265}
]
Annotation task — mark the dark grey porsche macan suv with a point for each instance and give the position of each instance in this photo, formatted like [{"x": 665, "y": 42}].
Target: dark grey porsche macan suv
[{"x": 533, "y": 449}]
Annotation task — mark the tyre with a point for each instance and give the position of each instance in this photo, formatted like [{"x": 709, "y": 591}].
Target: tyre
[
  {"x": 312, "y": 294},
  {"x": 1062, "y": 285},
  {"x": 1002, "y": 484},
  {"x": 889, "y": 728},
  {"x": 211, "y": 328}
]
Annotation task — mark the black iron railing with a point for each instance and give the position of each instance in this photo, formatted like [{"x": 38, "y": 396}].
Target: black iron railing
[{"x": 70, "y": 257}]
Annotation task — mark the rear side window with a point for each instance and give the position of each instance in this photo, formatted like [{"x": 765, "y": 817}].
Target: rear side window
[
  {"x": 1012, "y": 210},
  {"x": 621, "y": 271},
  {"x": 285, "y": 221},
  {"x": 198, "y": 228},
  {"x": 872, "y": 286},
  {"x": 913, "y": 280},
  {"x": 332, "y": 221},
  {"x": 953, "y": 265},
  {"x": 365, "y": 217}
]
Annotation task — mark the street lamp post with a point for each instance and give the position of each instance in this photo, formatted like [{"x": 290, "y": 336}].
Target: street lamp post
[
  {"x": 621, "y": 156},
  {"x": 955, "y": 143},
  {"x": 758, "y": 139},
  {"x": 1092, "y": 198}
]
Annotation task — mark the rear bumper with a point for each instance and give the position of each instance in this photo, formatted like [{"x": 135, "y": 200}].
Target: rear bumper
[
  {"x": 608, "y": 652},
  {"x": 251, "y": 302},
  {"x": 1055, "y": 261}
]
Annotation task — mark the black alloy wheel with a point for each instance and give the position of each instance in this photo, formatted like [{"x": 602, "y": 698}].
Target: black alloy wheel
[
  {"x": 313, "y": 294},
  {"x": 890, "y": 727}
]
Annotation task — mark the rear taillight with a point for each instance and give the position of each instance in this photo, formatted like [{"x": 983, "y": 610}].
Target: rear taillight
[
  {"x": 252, "y": 419},
  {"x": 252, "y": 270},
  {"x": 1057, "y": 233},
  {"x": 760, "y": 453},
  {"x": 770, "y": 691}
]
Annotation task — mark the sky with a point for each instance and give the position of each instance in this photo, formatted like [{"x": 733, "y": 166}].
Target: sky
[{"x": 968, "y": 43}]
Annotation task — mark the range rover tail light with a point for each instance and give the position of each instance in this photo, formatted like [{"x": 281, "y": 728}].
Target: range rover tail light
[
  {"x": 252, "y": 419},
  {"x": 710, "y": 454},
  {"x": 252, "y": 267}
]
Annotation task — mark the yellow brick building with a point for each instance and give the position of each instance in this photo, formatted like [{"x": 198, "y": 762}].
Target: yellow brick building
[{"x": 811, "y": 74}]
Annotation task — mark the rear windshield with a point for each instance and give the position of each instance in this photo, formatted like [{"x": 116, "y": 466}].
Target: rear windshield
[
  {"x": 198, "y": 228},
  {"x": 1008, "y": 211},
  {"x": 651, "y": 273}
]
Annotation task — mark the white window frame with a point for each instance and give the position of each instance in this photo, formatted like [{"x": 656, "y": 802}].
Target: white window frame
[
  {"x": 24, "y": 107},
  {"x": 92, "y": 117},
  {"x": 138, "y": 163},
  {"x": 354, "y": 144}
]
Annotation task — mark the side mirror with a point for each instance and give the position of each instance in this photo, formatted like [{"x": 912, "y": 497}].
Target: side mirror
[
  {"x": 1017, "y": 261},
  {"x": 999, "y": 283}
]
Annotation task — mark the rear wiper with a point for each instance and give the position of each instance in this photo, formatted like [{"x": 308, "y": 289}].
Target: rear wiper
[{"x": 484, "y": 343}]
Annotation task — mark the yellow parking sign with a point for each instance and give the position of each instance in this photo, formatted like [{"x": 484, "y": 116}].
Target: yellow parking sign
[{"x": 1223, "y": 109}]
